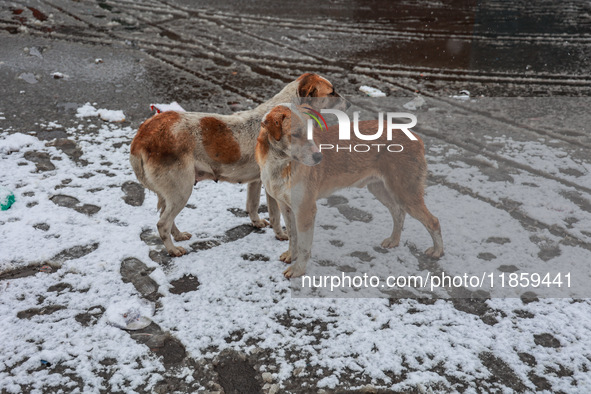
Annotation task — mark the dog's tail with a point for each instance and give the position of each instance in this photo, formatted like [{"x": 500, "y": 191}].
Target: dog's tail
[
  {"x": 138, "y": 157},
  {"x": 138, "y": 154},
  {"x": 137, "y": 163}
]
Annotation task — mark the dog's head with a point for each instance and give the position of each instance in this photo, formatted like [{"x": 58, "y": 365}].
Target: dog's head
[
  {"x": 283, "y": 130},
  {"x": 319, "y": 92}
]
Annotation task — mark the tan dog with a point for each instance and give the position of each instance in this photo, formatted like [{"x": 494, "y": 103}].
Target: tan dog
[
  {"x": 172, "y": 151},
  {"x": 296, "y": 174}
]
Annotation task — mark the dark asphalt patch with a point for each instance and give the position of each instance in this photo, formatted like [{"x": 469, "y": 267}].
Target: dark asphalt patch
[
  {"x": 254, "y": 257},
  {"x": 236, "y": 374},
  {"x": 91, "y": 316},
  {"x": 22, "y": 272},
  {"x": 60, "y": 287},
  {"x": 150, "y": 237},
  {"x": 529, "y": 297},
  {"x": 134, "y": 193},
  {"x": 134, "y": 271},
  {"x": 205, "y": 245},
  {"x": 69, "y": 147},
  {"x": 41, "y": 159},
  {"x": 241, "y": 213},
  {"x": 185, "y": 284},
  {"x": 47, "y": 310},
  {"x": 72, "y": 202},
  {"x": 501, "y": 372},
  {"x": 75, "y": 252},
  {"x": 546, "y": 340}
]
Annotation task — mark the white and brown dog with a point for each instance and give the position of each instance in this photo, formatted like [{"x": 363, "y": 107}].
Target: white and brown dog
[
  {"x": 172, "y": 151},
  {"x": 296, "y": 174}
]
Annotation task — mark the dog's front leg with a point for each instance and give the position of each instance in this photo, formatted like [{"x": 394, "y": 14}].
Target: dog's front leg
[
  {"x": 253, "y": 198},
  {"x": 305, "y": 216},
  {"x": 275, "y": 218},
  {"x": 290, "y": 254}
]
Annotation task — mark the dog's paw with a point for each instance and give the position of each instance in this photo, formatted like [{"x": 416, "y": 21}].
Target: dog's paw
[
  {"x": 389, "y": 243},
  {"x": 282, "y": 236},
  {"x": 285, "y": 257},
  {"x": 182, "y": 237},
  {"x": 293, "y": 272},
  {"x": 261, "y": 223},
  {"x": 434, "y": 253},
  {"x": 177, "y": 251}
]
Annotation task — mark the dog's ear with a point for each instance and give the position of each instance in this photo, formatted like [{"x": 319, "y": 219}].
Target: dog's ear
[
  {"x": 307, "y": 86},
  {"x": 274, "y": 123}
]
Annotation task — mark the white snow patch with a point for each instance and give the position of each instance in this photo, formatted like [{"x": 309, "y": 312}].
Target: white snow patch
[
  {"x": 380, "y": 340},
  {"x": 59, "y": 75},
  {"x": 372, "y": 92},
  {"x": 330, "y": 382},
  {"x": 415, "y": 103},
  {"x": 174, "y": 106},
  {"x": 463, "y": 96},
  {"x": 15, "y": 142},
  {"x": 88, "y": 110},
  {"x": 129, "y": 313}
]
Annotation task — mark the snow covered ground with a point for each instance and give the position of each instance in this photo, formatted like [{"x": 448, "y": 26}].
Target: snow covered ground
[{"x": 79, "y": 212}]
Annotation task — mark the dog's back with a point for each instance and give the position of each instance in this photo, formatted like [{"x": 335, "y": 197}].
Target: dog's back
[
  {"x": 345, "y": 167},
  {"x": 159, "y": 142}
]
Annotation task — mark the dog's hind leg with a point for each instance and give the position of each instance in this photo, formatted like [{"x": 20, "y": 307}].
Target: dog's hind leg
[
  {"x": 378, "y": 189},
  {"x": 253, "y": 198},
  {"x": 172, "y": 199},
  {"x": 179, "y": 235},
  {"x": 412, "y": 201}
]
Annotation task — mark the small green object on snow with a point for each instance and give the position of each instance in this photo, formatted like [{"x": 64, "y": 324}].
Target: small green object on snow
[{"x": 6, "y": 199}]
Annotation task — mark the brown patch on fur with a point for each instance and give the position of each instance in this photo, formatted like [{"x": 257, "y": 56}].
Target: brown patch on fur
[
  {"x": 308, "y": 86},
  {"x": 218, "y": 141},
  {"x": 274, "y": 121},
  {"x": 159, "y": 142},
  {"x": 314, "y": 86},
  {"x": 271, "y": 126},
  {"x": 262, "y": 147}
]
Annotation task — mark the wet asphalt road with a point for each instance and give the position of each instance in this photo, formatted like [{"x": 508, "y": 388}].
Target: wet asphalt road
[{"x": 225, "y": 56}]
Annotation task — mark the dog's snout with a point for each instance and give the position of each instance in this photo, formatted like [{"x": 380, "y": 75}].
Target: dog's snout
[{"x": 317, "y": 156}]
